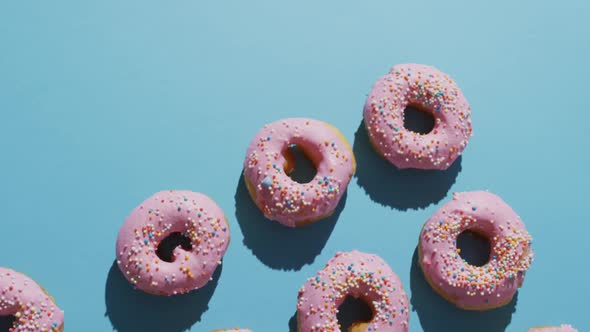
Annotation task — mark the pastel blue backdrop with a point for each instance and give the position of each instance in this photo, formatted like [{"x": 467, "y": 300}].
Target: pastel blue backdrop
[{"x": 103, "y": 103}]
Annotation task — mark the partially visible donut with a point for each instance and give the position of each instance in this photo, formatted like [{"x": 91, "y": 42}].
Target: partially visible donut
[
  {"x": 562, "y": 328},
  {"x": 359, "y": 275},
  {"x": 467, "y": 286},
  {"x": 33, "y": 308},
  {"x": 268, "y": 163},
  {"x": 193, "y": 215},
  {"x": 427, "y": 89}
]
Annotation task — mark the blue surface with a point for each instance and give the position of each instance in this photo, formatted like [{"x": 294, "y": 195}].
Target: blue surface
[{"x": 103, "y": 103}]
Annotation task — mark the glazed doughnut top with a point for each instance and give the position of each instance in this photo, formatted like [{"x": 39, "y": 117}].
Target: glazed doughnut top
[
  {"x": 472, "y": 286},
  {"x": 276, "y": 194},
  {"x": 360, "y": 275},
  {"x": 193, "y": 215},
  {"x": 428, "y": 89},
  {"x": 33, "y": 308}
]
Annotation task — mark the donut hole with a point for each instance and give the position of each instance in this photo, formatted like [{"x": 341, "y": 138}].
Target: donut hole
[
  {"x": 474, "y": 248},
  {"x": 418, "y": 120},
  {"x": 298, "y": 164},
  {"x": 354, "y": 313},
  {"x": 166, "y": 247},
  {"x": 6, "y": 322}
]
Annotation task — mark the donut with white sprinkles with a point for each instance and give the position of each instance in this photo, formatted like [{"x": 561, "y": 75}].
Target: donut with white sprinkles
[
  {"x": 360, "y": 275},
  {"x": 269, "y": 161},
  {"x": 192, "y": 215},
  {"x": 427, "y": 89},
  {"x": 468, "y": 286}
]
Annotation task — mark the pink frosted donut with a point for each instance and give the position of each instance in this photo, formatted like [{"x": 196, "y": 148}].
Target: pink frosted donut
[
  {"x": 468, "y": 286},
  {"x": 429, "y": 90},
  {"x": 562, "y": 328},
  {"x": 359, "y": 275},
  {"x": 193, "y": 215},
  {"x": 34, "y": 310},
  {"x": 268, "y": 162}
]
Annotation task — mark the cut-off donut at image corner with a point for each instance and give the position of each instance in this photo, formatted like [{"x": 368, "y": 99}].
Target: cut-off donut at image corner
[{"x": 400, "y": 189}]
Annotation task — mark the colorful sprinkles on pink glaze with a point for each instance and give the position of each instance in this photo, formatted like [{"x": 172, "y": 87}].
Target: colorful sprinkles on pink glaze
[
  {"x": 275, "y": 193},
  {"x": 193, "y": 215},
  {"x": 32, "y": 308},
  {"x": 427, "y": 89},
  {"x": 468, "y": 286},
  {"x": 359, "y": 275},
  {"x": 562, "y": 328}
]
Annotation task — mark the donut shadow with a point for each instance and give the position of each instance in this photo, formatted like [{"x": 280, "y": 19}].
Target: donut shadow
[
  {"x": 400, "y": 189},
  {"x": 6, "y": 322},
  {"x": 131, "y": 310},
  {"x": 293, "y": 325},
  {"x": 276, "y": 246},
  {"x": 437, "y": 314}
]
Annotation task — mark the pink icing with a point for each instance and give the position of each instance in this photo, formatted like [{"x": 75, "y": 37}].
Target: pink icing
[
  {"x": 468, "y": 286},
  {"x": 277, "y": 195},
  {"x": 359, "y": 275},
  {"x": 427, "y": 89},
  {"x": 562, "y": 328},
  {"x": 23, "y": 298},
  {"x": 195, "y": 216}
]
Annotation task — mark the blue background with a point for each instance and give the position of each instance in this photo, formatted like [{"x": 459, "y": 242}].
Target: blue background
[{"x": 103, "y": 103}]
